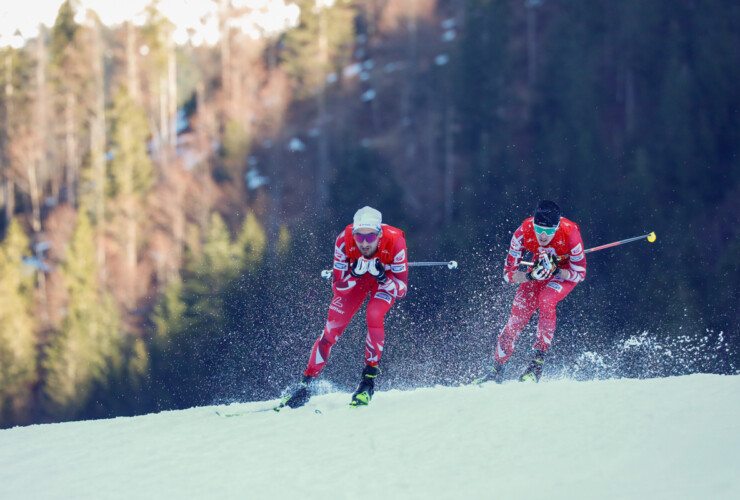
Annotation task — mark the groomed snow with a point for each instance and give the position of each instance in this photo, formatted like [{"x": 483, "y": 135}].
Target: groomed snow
[{"x": 671, "y": 438}]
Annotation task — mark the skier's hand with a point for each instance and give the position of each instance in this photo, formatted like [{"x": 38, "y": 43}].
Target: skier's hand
[
  {"x": 359, "y": 267},
  {"x": 377, "y": 271},
  {"x": 540, "y": 273}
]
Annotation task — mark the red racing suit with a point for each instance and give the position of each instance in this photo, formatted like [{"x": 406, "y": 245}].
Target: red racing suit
[
  {"x": 567, "y": 246},
  {"x": 350, "y": 293}
]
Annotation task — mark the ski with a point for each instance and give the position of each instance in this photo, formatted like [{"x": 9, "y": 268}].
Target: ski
[
  {"x": 242, "y": 413},
  {"x": 251, "y": 412}
]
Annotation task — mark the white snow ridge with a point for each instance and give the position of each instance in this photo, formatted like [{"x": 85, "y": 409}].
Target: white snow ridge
[{"x": 669, "y": 438}]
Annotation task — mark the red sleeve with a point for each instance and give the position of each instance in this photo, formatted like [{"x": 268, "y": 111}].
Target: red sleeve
[
  {"x": 577, "y": 259},
  {"x": 399, "y": 268},
  {"x": 514, "y": 257},
  {"x": 343, "y": 280}
]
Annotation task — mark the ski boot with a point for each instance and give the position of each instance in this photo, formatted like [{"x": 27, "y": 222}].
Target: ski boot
[
  {"x": 365, "y": 390},
  {"x": 495, "y": 375},
  {"x": 534, "y": 370},
  {"x": 298, "y": 396}
]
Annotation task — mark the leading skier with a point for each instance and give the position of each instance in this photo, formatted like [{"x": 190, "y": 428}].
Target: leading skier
[
  {"x": 559, "y": 265},
  {"x": 369, "y": 259}
]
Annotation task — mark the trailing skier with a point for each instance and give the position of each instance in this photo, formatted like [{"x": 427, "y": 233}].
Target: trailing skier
[{"x": 559, "y": 265}]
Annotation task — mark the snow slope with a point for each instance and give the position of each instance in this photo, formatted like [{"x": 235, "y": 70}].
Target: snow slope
[{"x": 658, "y": 438}]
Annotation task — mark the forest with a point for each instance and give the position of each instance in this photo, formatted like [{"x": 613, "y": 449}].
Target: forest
[{"x": 167, "y": 207}]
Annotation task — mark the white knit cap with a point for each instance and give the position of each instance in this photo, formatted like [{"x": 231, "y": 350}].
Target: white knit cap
[{"x": 367, "y": 217}]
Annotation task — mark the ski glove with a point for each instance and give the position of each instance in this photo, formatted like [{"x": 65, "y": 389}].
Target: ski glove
[
  {"x": 545, "y": 268},
  {"x": 377, "y": 271},
  {"x": 540, "y": 273},
  {"x": 359, "y": 267}
]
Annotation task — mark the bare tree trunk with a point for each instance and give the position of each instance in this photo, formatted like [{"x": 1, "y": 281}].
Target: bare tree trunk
[
  {"x": 449, "y": 182},
  {"x": 132, "y": 73},
  {"x": 97, "y": 147},
  {"x": 225, "y": 62},
  {"x": 8, "y": 184},
  {"x": 531, "y": 44},
  {"x": 172, "y": 90},
  {"x": 40, "y": 127},
  {"x": 130, "y": 251},
  {"x": 73, "y": 163},
  {"x": 323, "y": 171},
  {"x": 33, "y": 191},
  {"x": 206, "y": 127},
  {"x": 164, "y": 132},
  {"x": 410, "y": 70}
]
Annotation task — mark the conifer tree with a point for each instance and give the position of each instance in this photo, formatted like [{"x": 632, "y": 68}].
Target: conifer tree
[
  {"x": 131, "y": 177},
  {"x": 71, "y": 76},
  {"x": 88, "y": 339},
  {"x": 17, "y": 336},
  {"x": 252, "y": 241}
]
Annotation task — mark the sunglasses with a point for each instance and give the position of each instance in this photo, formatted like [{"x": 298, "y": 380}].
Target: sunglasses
[
  {"x": 545, "y": 230},
  {"x": 366, "y": 238}
]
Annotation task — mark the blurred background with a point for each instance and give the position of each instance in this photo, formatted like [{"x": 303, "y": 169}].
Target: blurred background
[{"x": 174, "y": 175}]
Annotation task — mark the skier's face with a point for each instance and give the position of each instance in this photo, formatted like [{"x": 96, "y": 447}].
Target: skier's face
[
  {"x": 544, "y": 234},
  {"x": 367, "y": 241}
]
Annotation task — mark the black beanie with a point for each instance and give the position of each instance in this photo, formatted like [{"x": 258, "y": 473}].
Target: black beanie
[{"x": 547, "y": 214}]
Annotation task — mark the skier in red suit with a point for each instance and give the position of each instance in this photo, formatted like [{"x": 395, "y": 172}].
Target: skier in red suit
[
  {"x": 559, "y": 265},
  {"x": 369, "y": 259}
]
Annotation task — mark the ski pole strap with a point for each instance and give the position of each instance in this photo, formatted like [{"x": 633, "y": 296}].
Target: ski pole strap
[
  {"x": 326, "y": 273},
  {"x": 650, "y": 237}
]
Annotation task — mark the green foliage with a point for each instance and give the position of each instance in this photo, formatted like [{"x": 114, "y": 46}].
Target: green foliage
[
  {"x": 169, "y": 312},
  {"x": 79, "y": 354},
  {"x": 319, "y": 45},
  {"x": 253, "y": 242},
  {"x": 64, "y": 33},
  {"x": 130, "y": 170},
  {"x": 233, "y": 154},
  {"x": 284, "y": 240},
  {"x": 203, "y": 323},
  {"x": 17, "y": 336}
]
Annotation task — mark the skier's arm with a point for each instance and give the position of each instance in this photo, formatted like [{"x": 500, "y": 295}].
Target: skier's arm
[
  {"x": 576, "y": 271},
  {"x": 513, "y": 258},
  {"x": 343, "y": 280},
  {"x": 399, "y": 269}
]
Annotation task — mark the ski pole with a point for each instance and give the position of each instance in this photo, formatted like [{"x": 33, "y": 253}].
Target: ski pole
[
  {"x": 650, "y": 237},
  {"x": 326, "y": 273}
]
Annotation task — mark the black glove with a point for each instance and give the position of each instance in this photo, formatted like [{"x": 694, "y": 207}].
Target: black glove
[
  {"x": 359, "y": 267},
  {"x": 377, "y": 271},
  {"x": 544, "y": 269}
]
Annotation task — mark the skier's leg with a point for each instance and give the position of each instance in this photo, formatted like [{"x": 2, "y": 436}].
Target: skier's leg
[
  {"x": 525, "y": 303},
  {"x": 377, "y": 307},
  {"x": 341, "y": 311},
  {"x": 552, "y": 293}
]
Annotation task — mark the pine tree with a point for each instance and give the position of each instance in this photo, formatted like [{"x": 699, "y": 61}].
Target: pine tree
[
  {"x": 131, "y": 176},
  {"x": 252, "y": 241},
  {"x": 88, "y": 340},
  {"x": 17, "y": 336},
  {"x": 130, "y": 169},
  {"x": 71, "y": 76},
  {"x": 320, "y": 43}
]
